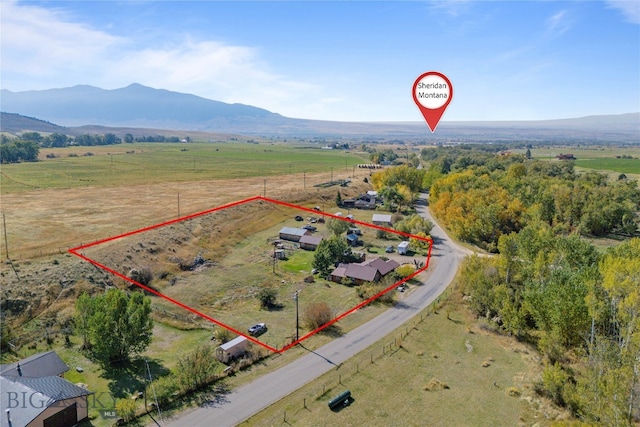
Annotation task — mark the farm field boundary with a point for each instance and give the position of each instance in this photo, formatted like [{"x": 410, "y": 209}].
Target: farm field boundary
[{"x": 78, "y": 251}]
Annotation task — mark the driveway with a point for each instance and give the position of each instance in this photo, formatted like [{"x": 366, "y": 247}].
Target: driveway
[{"x": 249, "y": 399}]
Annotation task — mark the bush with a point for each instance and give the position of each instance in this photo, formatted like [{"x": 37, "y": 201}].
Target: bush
[
  {"x": 165, "y": 388},
  {"x": 318, "y": 314},
  {"x": 126, "y": 409},
  {"x": 141, "y": 275},
  {"x": 267, "y": 297},
  {"x": 223, "y": 335},
  {"x": 554, "y": 379},
  {"x": 404, "y": 271},
  {"x": 197, "y": 368}
]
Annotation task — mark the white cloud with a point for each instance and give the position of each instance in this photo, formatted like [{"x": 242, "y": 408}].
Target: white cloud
[
  {"x": 453, "y": 8},
  {"x": 38, "y": 44},
  {"x": 558, "y": 24},
  {"x": 44, "y": 48},
  {"x": 630, "y": 9}
]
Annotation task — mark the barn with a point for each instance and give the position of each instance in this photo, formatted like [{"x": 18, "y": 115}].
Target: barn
[{"x": 293, "y": 234}]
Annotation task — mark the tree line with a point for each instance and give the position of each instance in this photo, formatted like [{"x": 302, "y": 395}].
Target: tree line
[
  {"x": 547, "y": 285},
  {"x": 479, "y": 201},
  {"x": 579, "y": 307}
]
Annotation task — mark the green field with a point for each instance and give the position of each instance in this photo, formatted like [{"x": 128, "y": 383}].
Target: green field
[
  {"x": 604, "y": 159},
  {"x": 484, "y": 381},
  {"x": 148, "y": 163},
  {"x": 627, "y": 166}
]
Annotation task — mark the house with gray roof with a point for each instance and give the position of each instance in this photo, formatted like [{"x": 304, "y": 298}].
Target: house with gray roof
[{"x": 34, "y": 394}]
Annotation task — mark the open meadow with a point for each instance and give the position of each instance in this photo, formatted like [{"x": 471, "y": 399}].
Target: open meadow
[
  {"x": 611, "y": 160},
  {"x": 447, "y": 369},
  {"x": 52, "y": 205}
]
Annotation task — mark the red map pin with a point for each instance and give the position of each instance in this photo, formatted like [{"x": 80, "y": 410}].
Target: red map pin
[{"x": 432, "y": 93}]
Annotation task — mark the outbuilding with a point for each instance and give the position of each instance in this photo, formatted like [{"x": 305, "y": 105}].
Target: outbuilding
[
  {"x": 293, "y": 234},
  {"x": 310, "y": 243},
  {"x": 381, "y": 219},
  {"x": 232, "y": 349}
]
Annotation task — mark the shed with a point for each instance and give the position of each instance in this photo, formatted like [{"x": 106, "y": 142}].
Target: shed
[
  {"x": 310, "y": 242},
  {"x": 381, "y": 219},
  {"x": 232, "y": 349},
  {"x": 292, "y": 234},
  {"x": 403, "y": 247}
]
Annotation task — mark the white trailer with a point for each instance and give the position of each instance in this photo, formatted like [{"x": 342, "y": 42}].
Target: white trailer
[{"x": 403, "y": 247}]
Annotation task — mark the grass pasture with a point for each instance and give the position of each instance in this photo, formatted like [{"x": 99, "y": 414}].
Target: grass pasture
[
  {"x": 444, "y": 371},
  {"x": 58, "y": 203},
  {"x": 149, "y": 163},
  {"x": 603, "y": 159},
  {"x": 626, "y": 166}
]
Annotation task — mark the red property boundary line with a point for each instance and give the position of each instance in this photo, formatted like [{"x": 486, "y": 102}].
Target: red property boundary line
[{"x": 76, "y": 251}]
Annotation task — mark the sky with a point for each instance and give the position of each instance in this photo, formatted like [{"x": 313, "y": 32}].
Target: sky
[{"x": 338, "y": 60}]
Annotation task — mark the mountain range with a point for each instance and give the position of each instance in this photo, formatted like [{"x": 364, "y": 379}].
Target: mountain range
[{"x": 138, "y": 106}]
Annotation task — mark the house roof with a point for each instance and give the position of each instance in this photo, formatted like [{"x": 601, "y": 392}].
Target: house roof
[
  {"x": 355, "y": 271},
  {"x": 381, "y": 218},
  {"x": 294, "y": 231},
  {"x": 39, "y": 365},
  {"x": 384, "y": 267},
  {"x": 234, "y": 342},
  {"x": 340, "y": 270},
  {"x": 42, "y": 393},
  {"x": 361, "y": 272},
  {"x": 311, "y": 240}
]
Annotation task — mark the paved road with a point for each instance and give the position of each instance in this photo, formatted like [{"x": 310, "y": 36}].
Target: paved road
[{"x": 251, "y": 398}]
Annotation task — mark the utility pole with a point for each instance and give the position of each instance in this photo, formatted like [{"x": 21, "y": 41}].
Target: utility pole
[
  {"x": 295, "y": 297},
  {"x": 6, "y": 243}
]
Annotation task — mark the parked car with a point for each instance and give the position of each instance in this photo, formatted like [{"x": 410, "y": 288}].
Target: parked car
[
  {"x": 299, "y": 218},
  {"x": 388, "y": 249},
  {"x": 258, "y": 329},
  {"x": 310, "y": 227}
]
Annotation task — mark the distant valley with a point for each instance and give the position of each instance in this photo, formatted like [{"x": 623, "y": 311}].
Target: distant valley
[{"x": 137, "y": 108}]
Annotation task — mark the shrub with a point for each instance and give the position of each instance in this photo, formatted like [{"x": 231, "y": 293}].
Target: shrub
[
  {"x": 318, "y": 314},
  {"x": 197, "y": 368},
  {"x": 223, "y": 335},
  {"x": 165, "y": 388},
  {"x": 126, "y": 409},
  {"x": 267, "y": 297},
  {"x": 554, "y": 379},
  {"x": 141, "y": 275},
  {"x": 404, "y": 271}
]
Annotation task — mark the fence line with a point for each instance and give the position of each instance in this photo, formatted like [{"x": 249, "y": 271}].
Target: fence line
[{"x": 353, "y": 366}]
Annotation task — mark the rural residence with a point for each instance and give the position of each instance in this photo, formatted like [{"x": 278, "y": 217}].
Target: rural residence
[
  {"x": 50, "y": 399},
  {"x": 358, "y": 273}
]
